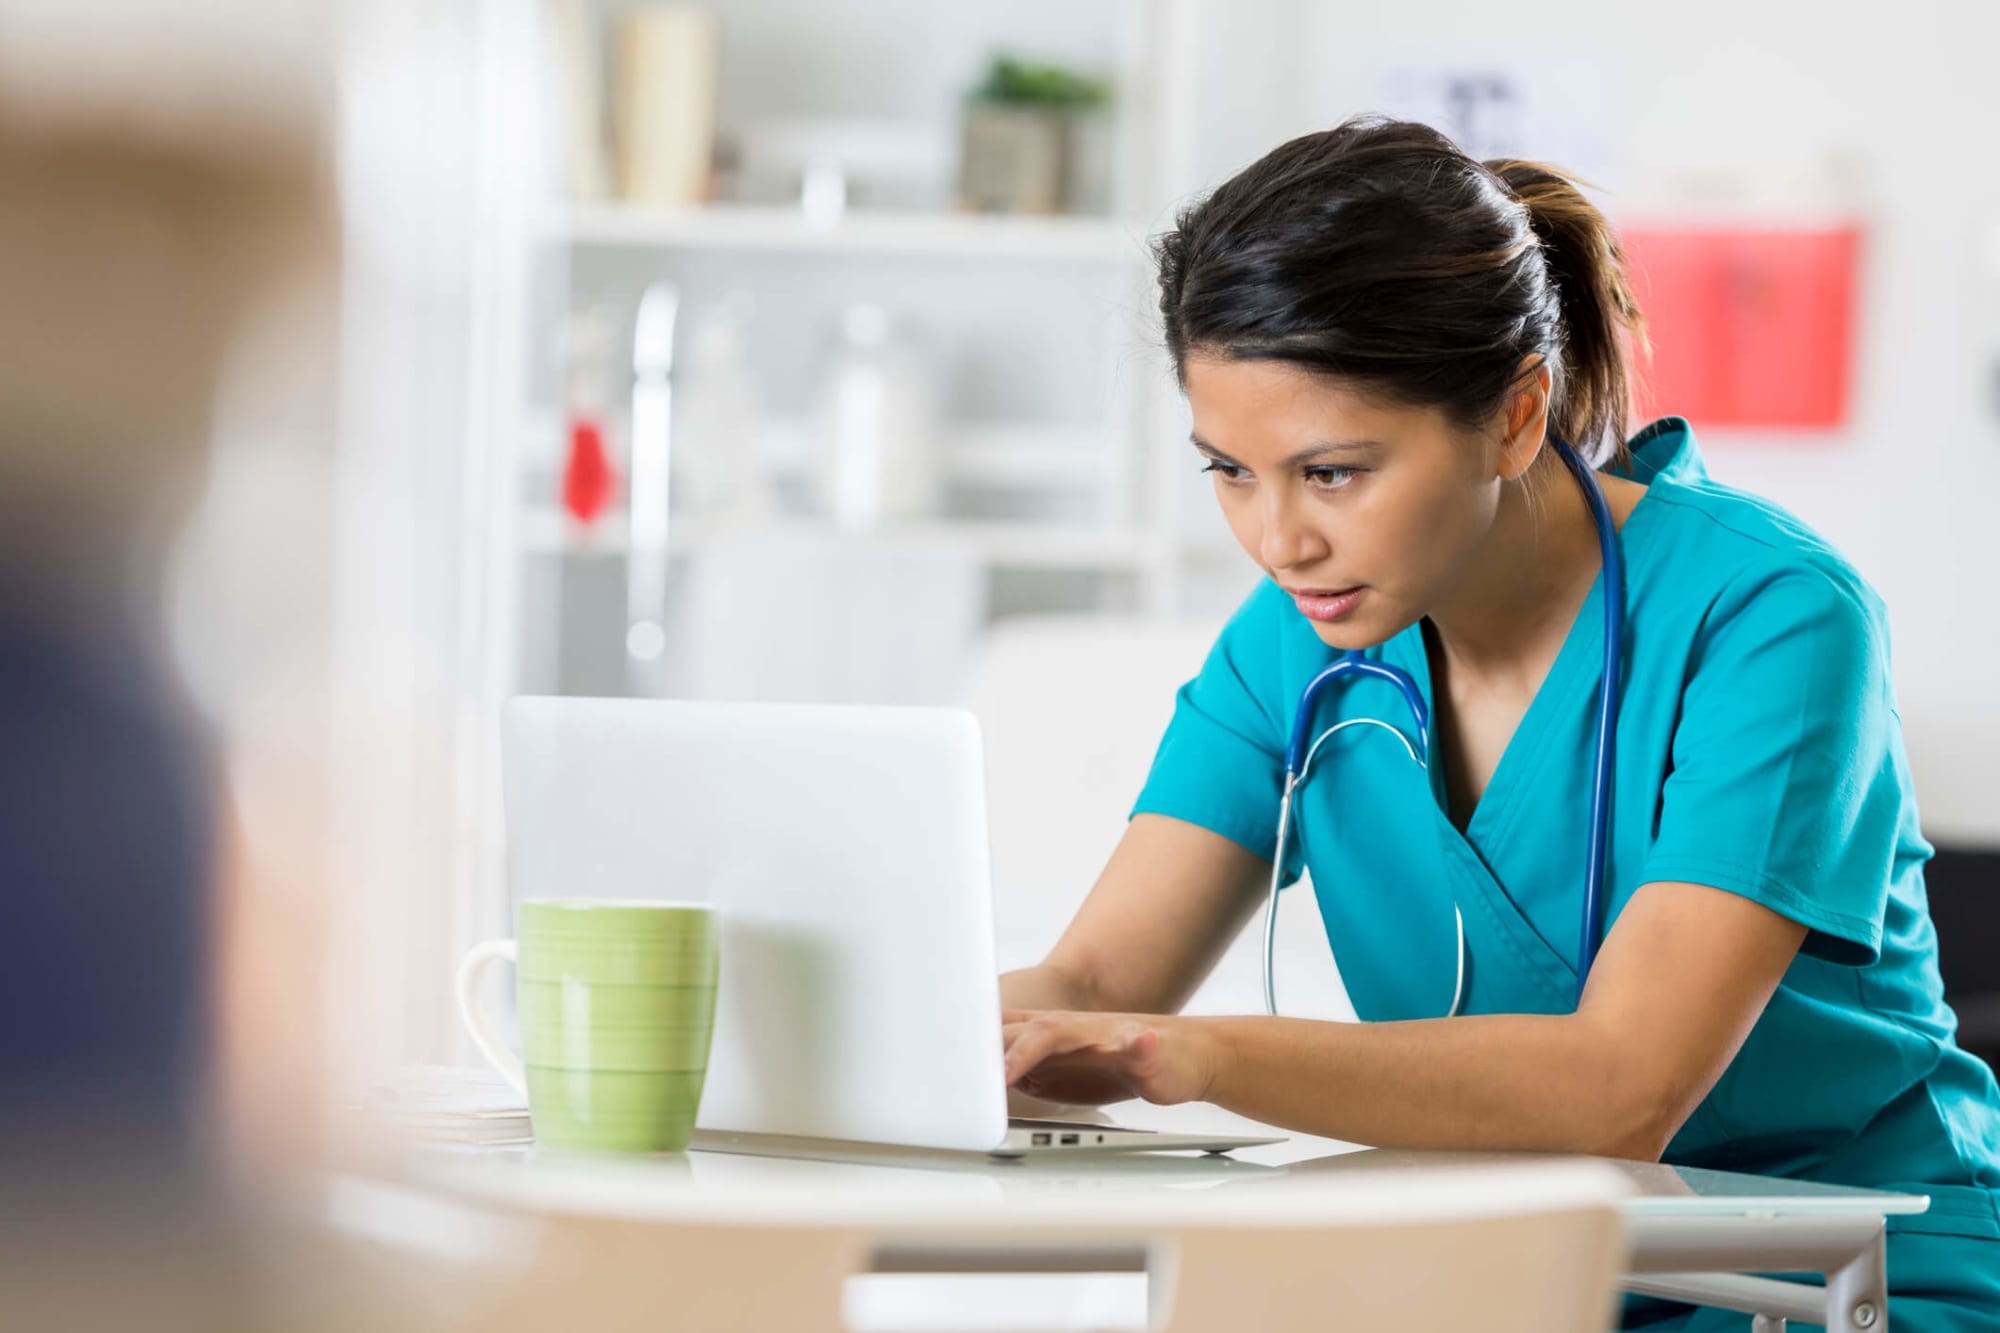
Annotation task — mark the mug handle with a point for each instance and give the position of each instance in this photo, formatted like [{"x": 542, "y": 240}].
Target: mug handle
[{"x": 483, "y": 1036}]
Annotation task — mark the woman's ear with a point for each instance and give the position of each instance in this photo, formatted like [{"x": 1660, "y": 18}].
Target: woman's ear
[{"x": 1527, "y": 419}]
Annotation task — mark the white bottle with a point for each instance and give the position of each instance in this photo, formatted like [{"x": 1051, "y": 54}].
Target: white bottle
[
  {"x": 876, "y": 436},
  {"x": 718, "y": 458}
]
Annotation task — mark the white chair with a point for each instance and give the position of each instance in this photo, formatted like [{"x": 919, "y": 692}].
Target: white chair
[
  {"x": 806, "y": 616},
  {"x": 1072, "y": 708}
]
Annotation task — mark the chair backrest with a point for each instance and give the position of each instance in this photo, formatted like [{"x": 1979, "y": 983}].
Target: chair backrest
[
  {"x": 1072, "y": 708},
  {"x": 806, "y": 617},
  {"x": 1541, "y": 1272}
]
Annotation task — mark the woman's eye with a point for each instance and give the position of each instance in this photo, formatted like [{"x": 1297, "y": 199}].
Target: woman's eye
[{"x": 1327, "y": 478}]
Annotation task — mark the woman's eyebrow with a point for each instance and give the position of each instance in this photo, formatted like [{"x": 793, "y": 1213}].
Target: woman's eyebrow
[{"x": 1310, "y": 454}]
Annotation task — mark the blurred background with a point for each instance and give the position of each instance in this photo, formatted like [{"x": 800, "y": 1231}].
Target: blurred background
[{"x": 766, "y": 350}]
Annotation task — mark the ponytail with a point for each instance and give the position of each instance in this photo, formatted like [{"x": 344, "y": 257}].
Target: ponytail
[{"x": 1600, "y": 320}]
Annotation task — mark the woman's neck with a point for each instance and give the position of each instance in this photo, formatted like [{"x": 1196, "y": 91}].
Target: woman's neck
[{"x": 1506, "y": 619}]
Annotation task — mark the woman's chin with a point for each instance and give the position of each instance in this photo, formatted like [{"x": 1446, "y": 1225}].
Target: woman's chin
[{"x": 1352, "y": 636}]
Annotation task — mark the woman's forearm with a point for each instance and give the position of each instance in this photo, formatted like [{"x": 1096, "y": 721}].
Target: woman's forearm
[
  {"x": 1505, "y": 1081},
  {"x": 1046, "y": 987}
]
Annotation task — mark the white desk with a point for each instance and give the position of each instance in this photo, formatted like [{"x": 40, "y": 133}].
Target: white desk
[{"x": 1696, "y": 1236}]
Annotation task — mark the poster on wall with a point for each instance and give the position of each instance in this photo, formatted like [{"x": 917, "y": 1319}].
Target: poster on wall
[{"x": 1550, "y": 107}]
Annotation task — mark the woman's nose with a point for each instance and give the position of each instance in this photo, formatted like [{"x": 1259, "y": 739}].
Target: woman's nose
[{"x": 1287, "y": 541}]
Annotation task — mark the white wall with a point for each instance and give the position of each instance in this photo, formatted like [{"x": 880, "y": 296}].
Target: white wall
[{"x": 1709, "y": 99}]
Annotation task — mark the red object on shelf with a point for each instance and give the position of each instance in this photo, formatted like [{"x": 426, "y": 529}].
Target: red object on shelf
[
  {"x": 1750, "y": 327},
  {"x": 588, "y": 480}
]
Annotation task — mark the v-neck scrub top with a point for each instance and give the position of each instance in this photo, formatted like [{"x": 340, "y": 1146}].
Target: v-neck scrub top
[{"x": 1759, "y": 752}]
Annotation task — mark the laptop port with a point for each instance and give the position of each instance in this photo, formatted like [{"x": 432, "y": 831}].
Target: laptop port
[
  {"x": 1071, "y": 1138},
  {"x": 1041, "y": 1140}
]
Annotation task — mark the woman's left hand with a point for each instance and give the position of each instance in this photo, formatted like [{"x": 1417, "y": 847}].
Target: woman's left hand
[{"x": 1090, "y": 1059}]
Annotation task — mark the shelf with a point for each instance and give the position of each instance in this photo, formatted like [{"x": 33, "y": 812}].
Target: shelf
[
  {"x": 861, "y": 232},
  {"x": 1003, "y": 545},
  {"x": 985, "y": 454}
]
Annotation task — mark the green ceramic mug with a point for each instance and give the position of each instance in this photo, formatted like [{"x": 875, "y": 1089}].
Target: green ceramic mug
[{"x": 617, "y": 1004}]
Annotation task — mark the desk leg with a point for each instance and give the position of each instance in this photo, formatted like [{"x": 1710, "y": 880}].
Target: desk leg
[
  {"x": 1855, "y": 1297},
  {"x": 1857, "y": 1293}
]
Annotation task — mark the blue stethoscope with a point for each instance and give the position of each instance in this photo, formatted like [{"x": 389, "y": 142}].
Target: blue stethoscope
[{"x": 1298, "y": 758}]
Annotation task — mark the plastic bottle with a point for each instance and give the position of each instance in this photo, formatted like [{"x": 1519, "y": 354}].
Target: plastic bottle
[
  {"x": 589, "y": 481},
  {"x": 876, "y": 427},
  {"x": 718, "y": 463}
]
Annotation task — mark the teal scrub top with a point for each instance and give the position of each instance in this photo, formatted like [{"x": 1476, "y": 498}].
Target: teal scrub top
[{"x": 1759, "y": 752}]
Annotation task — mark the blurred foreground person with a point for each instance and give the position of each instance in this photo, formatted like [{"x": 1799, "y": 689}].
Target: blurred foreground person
[
  {"x": 148, "y": 206},
  {"x": 165, "y": 203},
  {"x": 137, "y": 233}
]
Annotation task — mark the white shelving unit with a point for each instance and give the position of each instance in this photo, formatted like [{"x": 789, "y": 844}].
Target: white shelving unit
[
  {"x": 1130, "y": 540},
  {"x": 1047, "y": 546}
]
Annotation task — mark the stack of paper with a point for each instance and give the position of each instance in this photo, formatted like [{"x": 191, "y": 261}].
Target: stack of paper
[{"x": 449, "y": 1103}]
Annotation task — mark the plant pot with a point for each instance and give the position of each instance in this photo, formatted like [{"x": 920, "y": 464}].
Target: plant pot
[{"x": 1016, "y": 159}]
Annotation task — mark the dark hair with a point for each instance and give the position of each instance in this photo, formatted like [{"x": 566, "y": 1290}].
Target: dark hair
[{"x": 1378, "y": 253}]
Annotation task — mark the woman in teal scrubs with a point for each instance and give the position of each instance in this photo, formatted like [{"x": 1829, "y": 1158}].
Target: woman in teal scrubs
[{"x": 1378, "y": 338}]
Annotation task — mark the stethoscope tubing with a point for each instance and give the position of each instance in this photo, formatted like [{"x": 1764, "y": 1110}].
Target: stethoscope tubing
[
  {"x": 1298, "y": 755},
  {"x": 1608, "y": 697}
]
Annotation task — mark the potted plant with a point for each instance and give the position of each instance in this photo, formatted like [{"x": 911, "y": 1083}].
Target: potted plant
[{"x": 1033, "y": 140}]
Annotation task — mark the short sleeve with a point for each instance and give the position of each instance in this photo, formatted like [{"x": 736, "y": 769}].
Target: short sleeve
[
  {"x": 1221, "y": 763},
  {"x": 1785, "y": 785}
]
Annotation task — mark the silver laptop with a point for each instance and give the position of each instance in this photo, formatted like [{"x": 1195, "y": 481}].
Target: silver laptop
[{"x": 846, "y": 848}]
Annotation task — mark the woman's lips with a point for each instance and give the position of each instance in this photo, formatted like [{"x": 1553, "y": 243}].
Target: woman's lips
[{"x": 1322, "y": 605}]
